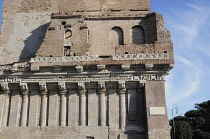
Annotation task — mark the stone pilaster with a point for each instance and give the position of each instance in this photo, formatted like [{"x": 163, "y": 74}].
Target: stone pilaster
[
  {"x": 7, "y": 93},
  {"x": 24, "y": 116},
  {"x": 63, "y": 92},
  {"x": 44, "y": 92},
  {"x": 122, "y": 91},
  {"x": 6, "y": 108},
  {"x": 82, "y": 92},
  {"x": 102, "y": 97}
]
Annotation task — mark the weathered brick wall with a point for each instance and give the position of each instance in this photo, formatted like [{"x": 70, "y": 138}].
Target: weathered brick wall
[
  {"x": 25, "y": 22},
  {"x": 83, "y": 5}
]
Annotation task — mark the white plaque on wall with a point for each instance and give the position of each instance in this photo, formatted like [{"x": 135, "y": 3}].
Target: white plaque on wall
[{"x": 157, "y": 110}]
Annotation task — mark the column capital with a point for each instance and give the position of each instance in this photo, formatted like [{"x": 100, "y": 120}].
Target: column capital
[
  {"x": 43, "y": 88},
  {"x": 102, "y": 91},
  {"x": 122, "y": 88},
  {"x": 24, "y": 88},
  {"x": 63, "y": 92},
  {"x": 121, "y": 84},
  {"x": 5, "y": 88},
  {"x": 122, "y": 91},
  {"x": 101, "y": 85},
  {"x": 62, "y": 88},
  {"x": 7, "y": 93},
  {"x": 141, "y": 84},
  {"x": 81, "y": 88}
]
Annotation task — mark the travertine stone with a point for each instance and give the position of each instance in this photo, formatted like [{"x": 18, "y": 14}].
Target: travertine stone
[
  {"x": 122, "y": 109},
  {"x": 24, "y": 115},
  {"x": 157, "y": 110},
  {"x": 44, "y": 109},
  {"x": 102, "y": 101},
  {"x": 82, "y": 93},
  {"x": 63, "y": 108},
  {"x": 2, "y": 99}
]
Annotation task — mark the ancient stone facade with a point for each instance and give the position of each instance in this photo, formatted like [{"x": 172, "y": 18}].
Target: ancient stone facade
[{"x": 83, "y": 69}]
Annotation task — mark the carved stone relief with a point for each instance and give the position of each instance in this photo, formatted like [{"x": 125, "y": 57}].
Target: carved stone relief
[
  {"x": 140, "y": 56},
  {"x": 65, "y": 59}
]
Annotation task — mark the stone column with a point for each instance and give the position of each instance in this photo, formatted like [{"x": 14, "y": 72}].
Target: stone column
[
  {"x": 122, "y": 92},
  {"x": 82, "y": 92},
  {"x": 63, "y": 91},
  {"x": 6, "y": 108},
  {"x": 102, "y": 97},
  {"x": 24, "y": 116},
  {"x": 43, "y": 89}
]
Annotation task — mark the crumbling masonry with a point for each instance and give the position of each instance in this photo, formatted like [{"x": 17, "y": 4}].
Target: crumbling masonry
[{"x": 83, "y": 69}]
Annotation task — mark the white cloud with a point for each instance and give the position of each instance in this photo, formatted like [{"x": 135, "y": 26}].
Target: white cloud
[{"x": 190, "y": 33}]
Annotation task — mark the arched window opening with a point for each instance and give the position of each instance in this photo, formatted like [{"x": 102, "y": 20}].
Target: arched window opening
[
  {"x": 116, "y": 36},
  {"x": 138, "y": 35}
]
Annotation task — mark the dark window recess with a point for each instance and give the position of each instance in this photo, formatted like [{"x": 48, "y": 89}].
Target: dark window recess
[
  {"x": 89, "y": 137},
  {"x": 67, "y": 51},
  {"x": 63, "y": 23},
  {"x": 126, "y": 52},
  {"x": 165, "y": 51}
]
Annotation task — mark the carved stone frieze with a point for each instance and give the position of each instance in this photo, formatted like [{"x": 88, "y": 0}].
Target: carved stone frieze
[
  {"x": 86, "y": 77},
  {"x": 65, "y": 59},
  {"x": 140, "y": 56}
]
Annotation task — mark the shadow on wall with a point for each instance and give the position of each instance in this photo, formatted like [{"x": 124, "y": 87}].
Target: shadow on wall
[{"x": 33, "y": 42}]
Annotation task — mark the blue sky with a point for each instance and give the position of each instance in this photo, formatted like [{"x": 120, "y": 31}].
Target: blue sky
[{"x": 189, "y": 24}]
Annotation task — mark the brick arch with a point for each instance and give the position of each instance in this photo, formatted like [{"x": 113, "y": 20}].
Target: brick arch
[{"x": 138, "y": 35}]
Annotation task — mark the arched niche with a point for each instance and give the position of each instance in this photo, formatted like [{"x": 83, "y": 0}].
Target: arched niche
[
  {"x": 67, "y": 36},
  {"x": 116, "y": 36},
  {"x": 138, "y": 35}
]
